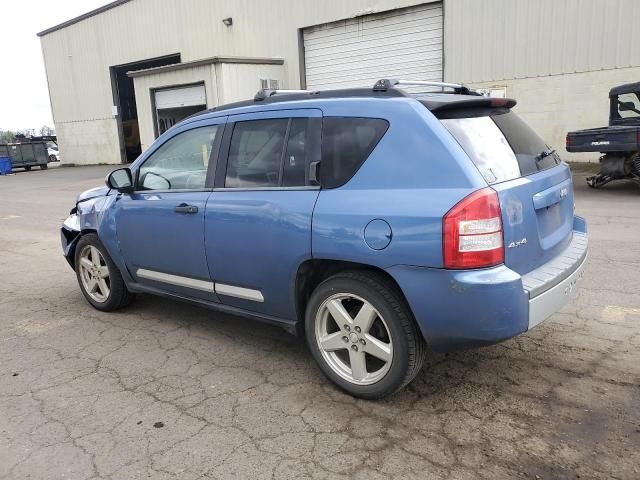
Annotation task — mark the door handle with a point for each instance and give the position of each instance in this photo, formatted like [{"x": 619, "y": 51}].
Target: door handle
[{"x": 184, "y": 208}]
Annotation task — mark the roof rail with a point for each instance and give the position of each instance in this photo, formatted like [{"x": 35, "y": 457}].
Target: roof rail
[
  {"x": 266, "y": 93},
  {"x": 386, "y": 84}
]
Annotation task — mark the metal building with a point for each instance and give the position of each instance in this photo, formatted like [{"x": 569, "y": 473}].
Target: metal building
[{"x": 122, "y": 74}]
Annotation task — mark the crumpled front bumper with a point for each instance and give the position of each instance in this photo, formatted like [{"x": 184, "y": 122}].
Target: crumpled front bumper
[{"x": 69, "y": 235}]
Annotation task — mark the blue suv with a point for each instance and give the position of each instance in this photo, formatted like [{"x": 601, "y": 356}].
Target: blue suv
[{"x": 373, "y": 222}]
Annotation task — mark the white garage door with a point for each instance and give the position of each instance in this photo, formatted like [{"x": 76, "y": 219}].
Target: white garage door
[
  {"x": 181, "y": 97},
  {"x": 404, "y": 44}
]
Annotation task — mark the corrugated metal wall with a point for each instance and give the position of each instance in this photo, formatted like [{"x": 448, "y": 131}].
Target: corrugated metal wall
[
  {"x": 77, "y": 57},
  {"x": 485, "y": 41},
  {"x": 493, "y": 40}
]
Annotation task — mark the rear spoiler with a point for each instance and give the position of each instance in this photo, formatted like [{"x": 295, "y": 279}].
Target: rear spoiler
[{"x": 482, "y": 102}]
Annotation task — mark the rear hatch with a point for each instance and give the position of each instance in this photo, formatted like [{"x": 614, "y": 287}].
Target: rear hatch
[{"x": 534, "y": 186}]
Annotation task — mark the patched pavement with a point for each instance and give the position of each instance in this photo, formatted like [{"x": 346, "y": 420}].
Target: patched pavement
[{"x": 168, "y": 390}]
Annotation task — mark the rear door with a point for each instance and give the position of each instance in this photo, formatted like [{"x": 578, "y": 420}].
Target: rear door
[
  {"x": 258, "y": 219},
  {"x": 534, "y": 186}
]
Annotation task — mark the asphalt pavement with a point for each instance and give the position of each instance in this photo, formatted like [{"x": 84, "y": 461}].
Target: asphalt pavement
[{"x": 168, "y": 390}]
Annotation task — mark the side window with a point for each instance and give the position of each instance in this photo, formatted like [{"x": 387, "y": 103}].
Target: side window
[
  {"x": 628, "y": 105},
  {"x": 181, "y": 163},
  {"x": 346, "y": 143},
  {"x": 255, "y": 154},
  {"x": 268, "y": 153}
]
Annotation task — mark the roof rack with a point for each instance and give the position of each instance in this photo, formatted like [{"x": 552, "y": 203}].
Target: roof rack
[
  {"x": 266, "y": 93},
  {"x": 385, "y": 84}
]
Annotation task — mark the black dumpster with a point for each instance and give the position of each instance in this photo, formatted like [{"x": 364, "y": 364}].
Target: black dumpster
[{"x": 26, "y": 155}]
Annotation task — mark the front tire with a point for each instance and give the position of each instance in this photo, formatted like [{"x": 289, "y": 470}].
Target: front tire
[
  {"x": 100, "y": 280},
  {"x": 362, "y": 334}
]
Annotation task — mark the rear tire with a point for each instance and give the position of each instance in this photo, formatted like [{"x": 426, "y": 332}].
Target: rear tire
[
  {"x": 44, "y": 167},
  {"x": 363, "y": 335},
  {"x": 99, "y": 278},
  {"x": 27, "y": 169}
]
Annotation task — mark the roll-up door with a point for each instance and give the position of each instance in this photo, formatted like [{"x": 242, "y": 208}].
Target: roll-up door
[
  {"x": 405, "y": 44},
  {"x": 181, "y": 97}
]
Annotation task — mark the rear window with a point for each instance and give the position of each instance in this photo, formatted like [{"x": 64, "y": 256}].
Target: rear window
[
  {"x": 502, "y": 146},
  {"x": 346, "y": 143}
]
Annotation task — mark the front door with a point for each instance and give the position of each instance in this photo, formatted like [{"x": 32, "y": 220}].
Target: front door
[
  {"x": 258, "y": 219},
  {"x": 160, "y": 227}
]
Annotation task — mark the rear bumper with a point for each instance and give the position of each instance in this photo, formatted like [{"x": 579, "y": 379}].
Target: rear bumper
[
  {"x": 555, "y": 283},
  {"x": 552, "y": 300},
  {"x": 462, "y": 309}
]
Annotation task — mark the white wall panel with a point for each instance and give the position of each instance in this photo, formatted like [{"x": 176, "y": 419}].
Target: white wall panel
[
  {"x": 510, "y": 39},
  {"x": 242, "y": 81}
]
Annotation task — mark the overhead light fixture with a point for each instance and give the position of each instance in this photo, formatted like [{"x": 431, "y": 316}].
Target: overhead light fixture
[{"x": 227, "y": 21}]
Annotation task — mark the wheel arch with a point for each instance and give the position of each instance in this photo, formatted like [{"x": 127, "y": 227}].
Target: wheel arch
[
  {"x": 313, "y": 272},
  {"x": 70, "y": 253}
]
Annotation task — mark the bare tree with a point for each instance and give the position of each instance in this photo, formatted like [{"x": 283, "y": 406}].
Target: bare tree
[
  {"x": 27, "y": 132},
  {"x": 47, "y": 131}
]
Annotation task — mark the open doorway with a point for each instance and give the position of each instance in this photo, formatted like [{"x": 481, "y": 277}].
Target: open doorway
[{"x": 124, "y": 99}]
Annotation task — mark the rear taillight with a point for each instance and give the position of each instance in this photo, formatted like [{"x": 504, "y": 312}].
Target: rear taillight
[
  {"x": 567, "y": 140},
  {"x": 472, "y": 232}
]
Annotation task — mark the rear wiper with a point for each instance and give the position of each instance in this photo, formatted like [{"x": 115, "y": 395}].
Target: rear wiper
[{"x": 542, "y": 155}]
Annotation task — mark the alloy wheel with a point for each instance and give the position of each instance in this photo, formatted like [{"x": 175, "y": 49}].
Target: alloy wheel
[
  {"x": 354, "y": 339},
  {"x": 94, "y": 274}
]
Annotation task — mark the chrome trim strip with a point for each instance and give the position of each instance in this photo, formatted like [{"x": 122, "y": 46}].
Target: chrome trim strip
[
  {"x": 239, "y": 292},
  {"x": 306, "y": 188},
  {"x": 219, "y": 288},
  {"x": 176, "y": 280}
]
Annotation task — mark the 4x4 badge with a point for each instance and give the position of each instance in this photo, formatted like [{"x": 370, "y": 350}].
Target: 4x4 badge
[{"x": 518, "y": 243}]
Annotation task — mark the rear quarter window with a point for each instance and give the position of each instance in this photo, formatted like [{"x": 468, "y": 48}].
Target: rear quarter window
[
  {"x": 346, "y": 143},
  {"x": 501, "y": 145}
]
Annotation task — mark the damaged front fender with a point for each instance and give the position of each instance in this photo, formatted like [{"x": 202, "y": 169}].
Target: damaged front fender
[{"x": 85, "y": 217}]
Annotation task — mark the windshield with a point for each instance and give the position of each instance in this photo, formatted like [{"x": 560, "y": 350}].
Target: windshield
[{"x": 501, "y": 145}]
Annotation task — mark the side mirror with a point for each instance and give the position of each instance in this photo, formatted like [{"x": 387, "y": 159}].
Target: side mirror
[{"x": 120, "y": 180}]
